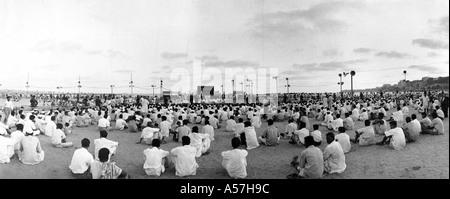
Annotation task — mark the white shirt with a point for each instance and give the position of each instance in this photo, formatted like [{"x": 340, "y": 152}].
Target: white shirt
[
  {"x": 208, "y": 129},
  {"x": 104, "y": 143},
  {"x": 50, "y": 128},
  {"x": 17, "y": 137},
  {"x": 165, "y": 127},
  {"x": 250, "y": 137},
  {"x": 6, "y": 149},
  {"x": 230, "y": 125},
  {"x": 239, "y": 127},
  {"x": 302, "y": 133},
  {"x": 103, "y": 123},
  {"x": 120, "y": 124},
  {"x": 398, "y": 140},
  {"x": 153, "y": 161},
  {"x": 148, "y": 132},
  {"x": 344, "y": 140},
  {"x": 81, "y": 161},
  {"x": 197, "y": 142},
  {"x": 334, "y": 158},
  {"x": 317, "y": 135},
  {"x": 29, "y": 126},
  {"x": 3, "y": 128},
  {"x": 234, "y": 161},
  {"x": 398, "y": 116},
  {"x": 185, "y": 163},
  {"x": 8, "y": 104},
  {"x": 11, "y": 120},
  {"x": 337, "y": 123},
  {"x": 58, "y": 136}
]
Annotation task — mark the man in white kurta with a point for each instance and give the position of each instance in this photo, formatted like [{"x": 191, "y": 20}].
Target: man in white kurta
[
  {"x": 199, "y": 141},
  {"x": 81, "y": 160},
  {"x": 184, "y": 158},
  {"x": 30, "y": 150},
  {"x": 250, "y": 136},
  {"x": 155, "y": 159},
  {"x": 396, "y": 135},
  {"x": 338, "y": 122},
  {"x": 208, "y": 129},
  {"x": 333, "y": 156},
  {"x": 102, "y": 142},
  {"x": 234, "y": 161},
  {"x": 398, "y": 115},
  {"x": 290, "y": 128},
  {"x": 165, "y": 127},
  {"x": 6, "y": 149},
  {"x": 256, "y": 121},
  {"x": 230, "y": 124}
]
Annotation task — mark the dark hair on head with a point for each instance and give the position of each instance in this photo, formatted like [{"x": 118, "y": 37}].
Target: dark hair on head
[
  {"x": 185, "y": 140},
  {"x": 164, "y": 118},
  {"x": 367, "y": 122},
  {"x": 185, "y": 122},
  {"x": 291, "y": 120},
  {"x": 206, "y": 122},
  {"x": 380, "y": 115},
  {"x": 156, "y": 143},
  {"x": 347, "y": 114},
  {"x": 195, "y": 129},
  {"x": 241, "y": 120},
  {"x": 270, "y": 122},
  {"x": 341, "y": 129},
  {"x": 32, "y": 117},
  {"x": 59, "y": 126},
  {"x": 316, "y": 127},
  {"x": 19, "y": 127},
  {"x": 235, "y": 142},
  {"x": 434, "y": 114},
  {"x": 330, "y": 135},
  {"x": 408, "y": 119},
  {"x": 247, "y": 123},
  {"x": 302, "y": 124},
  {"x": 85, "y": 143},
  {"x": 232, "y": 117},
  {"x": 309, "y": 140},
  {"x": 103, "y": 155},
  {"x": 413, "y": 116},
  {"x": 393, "y": 124},
  {"x": 103, "y": 134}
]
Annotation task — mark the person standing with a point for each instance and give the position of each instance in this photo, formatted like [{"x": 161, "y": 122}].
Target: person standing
[{"x": 7, "y": 108}]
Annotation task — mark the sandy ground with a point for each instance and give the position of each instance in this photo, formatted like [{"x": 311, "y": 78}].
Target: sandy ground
[{"x": 430, "y": 154}]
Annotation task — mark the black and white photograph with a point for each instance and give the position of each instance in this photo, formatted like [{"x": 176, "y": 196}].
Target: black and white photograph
[{"x": 234, "y": 90}]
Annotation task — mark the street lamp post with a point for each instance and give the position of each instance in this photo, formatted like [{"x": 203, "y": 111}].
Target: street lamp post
[
  {"x": 234, "y": 91},
  {"x": 340, "y": 84},
  {"x": 153, "y": 87},
  {"x": 112, "y": 86},
  {"x": 287, "y": 85},
  {"x": 352, "y": 73}
]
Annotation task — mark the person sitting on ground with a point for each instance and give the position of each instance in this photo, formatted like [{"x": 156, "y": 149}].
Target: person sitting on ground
[
  {"x": 425, "y": 122},
  {"x": 234, "y": 161},
  {"x": 299, "y": 135},
  {"x": 405, "y": 110},
  {"x": 440, "y": 113},
  {"x": 271, "y": 136},
  {"x": 103, "y": 124},
  {"x": 121, "y": 124},
  {"x": 239, "y": 127},
  {"x": 290, "y": 129},
  {"x": 214, "y": 122},
  {"x": 364, "y": 115},
  {"x": 184, "y": 156},
  {"x": 380, "y": 125},
  {"x": 102, "y": 142},
  {"x": 17, "y": 137},
  {"x": 230, "y": 124},
  {"x": 317, "y": 135},
  {"x": 411, "y": 129},
  {"x": 155, "y": 160},
  {"x": 333, "y": 156},
  {"x": 199, "y": 141},
  {"x": 208, "y": 129},
  {"x": 132, "y": 124},
  {"x": 30, "y": 149},
  {"x": 397, "y": 116},
  {"x": 248, "y": 136},
  {"x": 183, "y": 130},
  {"x": 67, "y": 129},
  {"x": 149, "y": 134},
  {"x": 81, "y": 161},
  {"x": 365, "y": 136},
  {"x": 104, "y": 169},
  {"x": 310, "y": 163},
  {"x": 338, "y": 122},
  {"x": 59, "y": 138},
  {"x": 344, "y": 139},
  {"x": 436, "y": 127},
  {"x": 256, "y": 121},
  {"x": 6, "y": 147},
  {"x": 165, "y": 128},
  {"x": 328, "y": 120},
  {"x": 395, "y": 137}
]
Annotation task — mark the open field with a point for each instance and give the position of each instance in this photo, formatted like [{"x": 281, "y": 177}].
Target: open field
[{"x": 430, "y": 153}]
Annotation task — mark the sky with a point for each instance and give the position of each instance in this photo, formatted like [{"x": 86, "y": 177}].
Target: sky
[{"x": 187, "y": 43}]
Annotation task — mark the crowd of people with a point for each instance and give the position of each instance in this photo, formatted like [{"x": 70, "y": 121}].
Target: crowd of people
[{"x": 158, "y": 123}]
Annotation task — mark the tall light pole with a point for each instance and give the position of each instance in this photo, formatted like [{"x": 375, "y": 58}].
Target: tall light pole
[
  {"x": 79, "y": 84},
  {"x": 153, "y": 87},
  {"x": 234, "y": 90},
  {"x": 131, "y": 85},
  {"x": 287, "y": 85},
  {"x": 404, "y": 72},
  {"x": 59, "y": 89},
  {"x": 161, "y": 88},
  {"x": 341, "y": 83},
  {"x": 352, "y": 73},
  {"x": 276, "y": 82},
  {"x": 112, "y": 86},
  {"x": 28, "y": 79}
]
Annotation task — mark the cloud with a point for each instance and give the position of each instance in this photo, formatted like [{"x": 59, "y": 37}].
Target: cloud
[
  {"x": 124, "y": 71},
  {"x": 330, "y": 52},
  {"x": 115, "y": 54},
  {"x": 167, "y": 55},
  {"x": 231, "y": 63},
  {"x": 433, "y": 54},
  {"x": 393, "y": 54},
  {"x": 441, "y": 25},
  {"x": 328, "y": 66},
  {"x": 297, "y": 50},
  {"x": 320, "y": 17},
  {"x": 425, "y": 68},
  {"x": 363, "y": 50},
  {"x": 209, "y": 57},
  {"x": 430, "y": 43},
  {"x": 94, "y": 52},
  {"x": 54, "y": 46}
]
